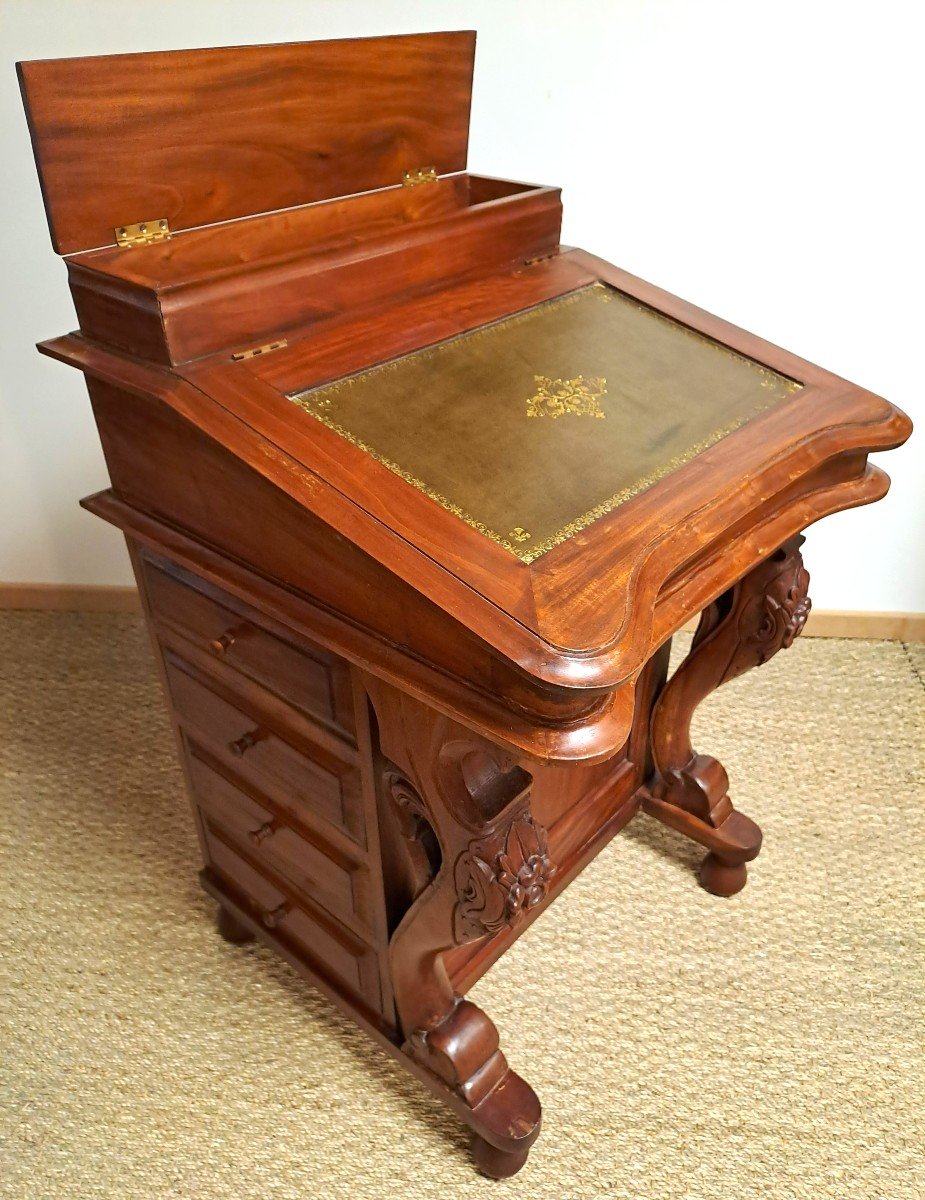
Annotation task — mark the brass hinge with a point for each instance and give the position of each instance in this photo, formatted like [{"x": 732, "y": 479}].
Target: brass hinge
[
  {"x": 241, "y": 355},
  {"x": 143, "y": 233},
  {"x": 419, "y": 175},
  {"x": 528, "y": 262}
]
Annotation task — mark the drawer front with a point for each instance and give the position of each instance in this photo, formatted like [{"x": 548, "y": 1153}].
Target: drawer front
[
  {"x": 338, "y": 886},
  {"x": 310, "y": 679},
  {"x": 331, "y": 951},
  {"x": 310, "y": 778}
]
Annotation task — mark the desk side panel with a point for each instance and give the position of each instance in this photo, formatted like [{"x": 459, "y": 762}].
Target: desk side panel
[{"x": 194, "y": 489}]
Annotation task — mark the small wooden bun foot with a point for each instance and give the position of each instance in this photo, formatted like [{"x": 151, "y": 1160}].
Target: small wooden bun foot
[
  {"x": 722, "y": 878},
  {"x": 231, "y": 928},
  {"x": 495, "y": 1163}
]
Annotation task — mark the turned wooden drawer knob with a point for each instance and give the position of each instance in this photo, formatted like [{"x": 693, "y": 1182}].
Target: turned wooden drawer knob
[
  {"x": 223, "y": 643},
  {"x": 272, "y": 918},
  {"x": 241, "y": 745},
  {"x": 260, "y": 835}
]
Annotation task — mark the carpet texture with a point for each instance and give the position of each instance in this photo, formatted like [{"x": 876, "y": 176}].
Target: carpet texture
[{"x": 684, "y": 1047}]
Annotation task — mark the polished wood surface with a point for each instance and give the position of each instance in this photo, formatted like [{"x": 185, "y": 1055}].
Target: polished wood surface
[
  {"x": 199, "y": 294},
  {"x": 762, "y": 614},
  {"x": 402, "y": 740},
  {"x": 305, "y": 676},
  {"x": 202, "y": 136}
]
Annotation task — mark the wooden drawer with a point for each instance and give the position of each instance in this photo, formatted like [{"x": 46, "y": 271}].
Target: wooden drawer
[
  {"x": 307, "y": 677},
  {"x": 311, "y": 778},
  {"x": 328, "y": 948},
  {"x": 339, "y": 886}
]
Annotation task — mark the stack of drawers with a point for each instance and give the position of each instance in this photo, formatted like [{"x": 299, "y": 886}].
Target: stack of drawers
[{"x": 273, "y": 745}]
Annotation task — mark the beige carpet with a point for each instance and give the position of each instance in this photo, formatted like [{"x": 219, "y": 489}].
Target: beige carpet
[{"x": 684, "y": 1047}]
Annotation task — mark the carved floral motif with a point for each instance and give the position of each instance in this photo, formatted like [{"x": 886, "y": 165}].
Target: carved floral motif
[
  {"x": 772, "y": 620},
  {"x": 500, "y": 878},
  {"x": 784, "y": 618}
]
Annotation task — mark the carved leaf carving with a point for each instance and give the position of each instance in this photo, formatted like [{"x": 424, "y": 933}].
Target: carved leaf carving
[
  {"x": 784, "y": 617},
  {"x": 500, "y": 878},
  {"x": 773, "y": 619}
]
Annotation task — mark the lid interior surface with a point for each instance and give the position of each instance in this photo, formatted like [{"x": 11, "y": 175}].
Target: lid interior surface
[{"x": 202, "y": 136}]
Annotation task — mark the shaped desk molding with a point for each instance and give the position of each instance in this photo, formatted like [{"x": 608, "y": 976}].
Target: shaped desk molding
[{"x": 416, "y": 499}]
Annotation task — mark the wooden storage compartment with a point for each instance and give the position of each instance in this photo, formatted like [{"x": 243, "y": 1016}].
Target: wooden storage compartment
[
  {"x": 308, "y": 678},
  {"x": 309, "y": 777},
  {"x": 321, "y": 943},
  {"x": 323, "y": 178},
  {"x": 322, "y": 874},
  {"x": 270, "y": 275}
]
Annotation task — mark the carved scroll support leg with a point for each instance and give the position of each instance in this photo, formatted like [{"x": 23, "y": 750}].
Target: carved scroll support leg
[
  {"x": 746, "y": 626},
  {"x": 493, "y": 867}
]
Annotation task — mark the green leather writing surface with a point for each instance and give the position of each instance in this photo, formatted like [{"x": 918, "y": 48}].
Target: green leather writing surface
[{"x": 532, "y": 428}]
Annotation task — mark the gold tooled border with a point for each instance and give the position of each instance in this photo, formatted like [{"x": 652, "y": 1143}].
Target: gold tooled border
[{"x": 315, "y": 400}]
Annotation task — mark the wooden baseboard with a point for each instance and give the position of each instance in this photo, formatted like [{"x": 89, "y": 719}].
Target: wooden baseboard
[
  {"x": 874, "y": 626},
  {"x": 71, "y": 597},
  {"x": 883, "y": 626}
]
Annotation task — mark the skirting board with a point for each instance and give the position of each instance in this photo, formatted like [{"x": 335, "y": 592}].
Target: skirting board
[
  {"x": 874, "y": 626},
  {"x": 71, "y": 597}
]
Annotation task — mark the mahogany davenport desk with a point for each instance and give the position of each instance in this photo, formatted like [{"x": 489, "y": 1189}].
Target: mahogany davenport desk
[{"x": 416, "y": 499}]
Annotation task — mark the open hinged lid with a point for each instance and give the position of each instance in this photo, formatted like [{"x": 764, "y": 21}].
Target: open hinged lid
[{"x": 196, "y": 137}]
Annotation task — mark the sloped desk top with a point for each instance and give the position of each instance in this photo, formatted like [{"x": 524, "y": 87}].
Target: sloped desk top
[
  {"x": 713, "y": 448},
  {"x": 533, "y": 427}
]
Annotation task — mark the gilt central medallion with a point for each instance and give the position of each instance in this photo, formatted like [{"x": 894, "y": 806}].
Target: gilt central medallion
[
  {"x": 579, "y": 397},
  {"x": 534, "y": 427}
]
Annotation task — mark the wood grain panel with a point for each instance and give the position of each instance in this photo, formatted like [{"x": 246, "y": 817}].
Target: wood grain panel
[
  {"x": 315, "y": 873},
  {"x": 199, "y": 136},
  {"x": 214, "y": 308},
  {"x": 312, "y": 680},
  {"x": 241, "y": 741},
  {"x": 351, "y": 962}
]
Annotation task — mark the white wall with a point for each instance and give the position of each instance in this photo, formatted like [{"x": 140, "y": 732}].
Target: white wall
[{"x": 760, "y": 158}]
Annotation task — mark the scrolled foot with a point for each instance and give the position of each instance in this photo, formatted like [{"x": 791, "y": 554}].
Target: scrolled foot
[
  {"x": 231, "y": 928},
  {"x": 732, "y": 843},
  {"x": 495, "y": 1163},
  {"x": 741, "y": 629},
  {"x": 722, "y": 878}
]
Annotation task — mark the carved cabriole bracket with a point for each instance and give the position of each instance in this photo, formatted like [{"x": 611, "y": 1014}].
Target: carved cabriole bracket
[
  {"x": 745, "y": 627},
  {"x": 473, "y": 799}
]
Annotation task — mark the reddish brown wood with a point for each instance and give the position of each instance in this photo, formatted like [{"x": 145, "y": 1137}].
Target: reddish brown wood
[
  {"x": 658, "y": 564},
  {"x": 495, "y": 1163},
  {"x": 200, "y": 136},
  {"x": 494, "y": 869},
  {"x": 401, "y": 741},
  {"x": 303, "y": 675},
  {"x": 307, "y": 558},
  {"x": 762, "y": 614},
  {"x": 199, "y": 294},
  {"x": 280, "y": 839}
]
